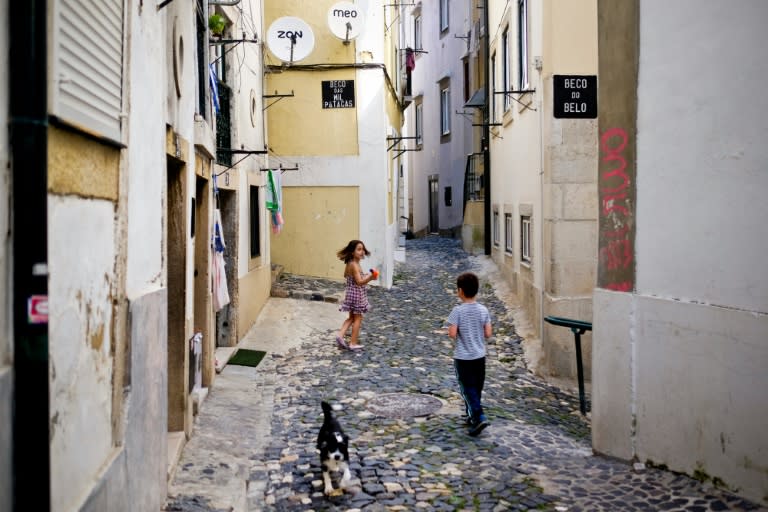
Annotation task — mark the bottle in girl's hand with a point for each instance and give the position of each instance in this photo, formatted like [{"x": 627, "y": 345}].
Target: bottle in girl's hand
[{"x": 375, "y": 273}]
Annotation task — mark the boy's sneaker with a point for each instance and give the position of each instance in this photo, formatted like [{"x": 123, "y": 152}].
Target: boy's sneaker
[{"x": 478, "y": 427}]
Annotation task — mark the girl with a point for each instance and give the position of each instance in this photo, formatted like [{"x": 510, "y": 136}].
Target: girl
[{"x": 355, "y": 299}]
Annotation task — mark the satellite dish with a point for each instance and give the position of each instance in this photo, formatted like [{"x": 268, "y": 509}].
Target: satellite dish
[
  {"x": 290, "y": 39},
  {"x": 345, "y": 20}
]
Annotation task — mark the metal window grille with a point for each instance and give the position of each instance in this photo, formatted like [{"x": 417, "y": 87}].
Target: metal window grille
[{"x": 224, "y": 125}]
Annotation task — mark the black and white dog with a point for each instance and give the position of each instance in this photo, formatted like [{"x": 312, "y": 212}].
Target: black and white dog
[{"x": 333, "y": 445}]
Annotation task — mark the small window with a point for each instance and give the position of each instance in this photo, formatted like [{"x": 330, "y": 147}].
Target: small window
[
  {"x": 254, "y": 223},
  {"x": 522, "y": 44},
  {"x": 495, "y": 228},
  {"x": 465, "y": 65},
  {"x": 443, "y": 15},
  {"x": 525, "y": 238},
  {"x": 505, "y": 81},
  {"x": 493, "y": 88},
  {"x": 445, "y": 110},
  {"x": 508, "y": 244},
  {"x": 419, "y": 124},
  {"x": 417, "y": 32}
]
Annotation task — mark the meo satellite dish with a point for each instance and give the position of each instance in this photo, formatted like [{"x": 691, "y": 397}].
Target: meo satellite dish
[
  {"x": 290, "y": 39},
  {"x": 345, "y": 20}
]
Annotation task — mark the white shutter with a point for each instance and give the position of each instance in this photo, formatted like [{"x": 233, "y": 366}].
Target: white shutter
[{"x": 88, "y": 53}]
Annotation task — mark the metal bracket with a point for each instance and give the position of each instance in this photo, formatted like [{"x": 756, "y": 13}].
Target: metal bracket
[
  {"x": 276, "y": 95},
  {"x": 521, "y": 91}
]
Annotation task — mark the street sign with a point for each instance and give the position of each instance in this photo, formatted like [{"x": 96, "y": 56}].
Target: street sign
[
  {"x": 338, "y": 93},
  {"x": 37, "y": 309},
  {"x": 575, "y": 96}
]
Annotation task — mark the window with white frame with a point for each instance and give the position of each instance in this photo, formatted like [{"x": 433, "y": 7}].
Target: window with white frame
[
  {"x": 508, "y": 242},
  {"x": 505, "y": 81},
  {"x": 522, "y": 44},
  {"x": 495, "y": 228},
  {"x": 443, "y": 15},
  {"x": 417, "y": 32},
  {"x": 525, "y": 238},
  {"x": 493, "y": 88},
  {"x": 445, "y": 110},
  {"x": 419, "y": 121}
]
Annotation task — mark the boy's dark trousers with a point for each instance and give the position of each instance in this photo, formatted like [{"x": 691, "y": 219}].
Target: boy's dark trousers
[{"x": 471, "y": 377}]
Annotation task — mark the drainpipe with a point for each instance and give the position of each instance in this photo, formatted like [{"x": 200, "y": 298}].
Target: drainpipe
[
  {"x": 29, "y": 167},
  {"x": 486, "y": 141}
]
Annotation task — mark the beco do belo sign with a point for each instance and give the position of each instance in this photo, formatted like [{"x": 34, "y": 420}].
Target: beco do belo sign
[{"x": 575, "y": 96}]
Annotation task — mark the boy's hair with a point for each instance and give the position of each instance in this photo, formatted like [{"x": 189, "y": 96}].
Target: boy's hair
[
  {"x": 347, "y": 253},
  {"x": 468, "y": 283}
]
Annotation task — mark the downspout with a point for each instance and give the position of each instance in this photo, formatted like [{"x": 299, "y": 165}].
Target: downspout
[
  {"x": 486, "y": 140},
  {"x": 29, "y": 168}
]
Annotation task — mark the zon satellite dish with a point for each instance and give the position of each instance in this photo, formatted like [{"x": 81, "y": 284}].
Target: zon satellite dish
[
  {"x": 345, "y": 20},
  {"x": 290, "y": 39}
]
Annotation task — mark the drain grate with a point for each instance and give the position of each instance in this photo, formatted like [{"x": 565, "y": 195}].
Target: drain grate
[{"x": 403, "y": 405}]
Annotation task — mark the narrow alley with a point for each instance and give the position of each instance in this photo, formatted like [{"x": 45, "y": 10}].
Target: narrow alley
[{"x": 253, "y": 446}]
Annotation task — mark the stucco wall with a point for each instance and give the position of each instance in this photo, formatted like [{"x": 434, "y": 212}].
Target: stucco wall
[
  {"x": 694, "y": 331},
  {"x": 81, "y": 235}
]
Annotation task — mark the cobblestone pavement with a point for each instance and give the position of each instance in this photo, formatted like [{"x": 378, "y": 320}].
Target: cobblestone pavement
[{"x": 536, "y": 455}]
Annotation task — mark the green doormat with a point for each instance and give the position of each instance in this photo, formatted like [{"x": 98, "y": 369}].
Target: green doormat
[{"x": 244, "y": 357}]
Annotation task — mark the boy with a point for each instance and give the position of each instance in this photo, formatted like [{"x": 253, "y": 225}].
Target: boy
[{"x": 469, "y": 324}]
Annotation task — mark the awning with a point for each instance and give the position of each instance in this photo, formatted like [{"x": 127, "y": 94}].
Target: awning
[{"x": 477, "y": 100}]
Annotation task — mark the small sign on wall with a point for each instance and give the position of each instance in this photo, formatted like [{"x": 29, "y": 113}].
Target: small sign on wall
[
  {"x": 575, "y": 96},
  {"x": 338, "y": 93}
]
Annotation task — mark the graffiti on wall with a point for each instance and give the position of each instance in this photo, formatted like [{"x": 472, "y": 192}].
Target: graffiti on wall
[{"x": 616, "y": 252}]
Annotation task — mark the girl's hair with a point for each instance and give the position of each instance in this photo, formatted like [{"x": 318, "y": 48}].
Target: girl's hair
[{"x": 347, "y": 254}]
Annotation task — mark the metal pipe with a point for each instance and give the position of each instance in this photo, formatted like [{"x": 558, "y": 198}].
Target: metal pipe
[
  {"x": 223, "y": 2},
  {"x": 28, "y": 116},
  {"x": 486, "y": 141}
]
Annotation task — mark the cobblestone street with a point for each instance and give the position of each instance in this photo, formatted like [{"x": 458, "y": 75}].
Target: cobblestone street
[{"x": 536, "y": 455}]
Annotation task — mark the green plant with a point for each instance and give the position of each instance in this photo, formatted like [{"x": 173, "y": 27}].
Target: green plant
[{"x": 217, "y": 23}]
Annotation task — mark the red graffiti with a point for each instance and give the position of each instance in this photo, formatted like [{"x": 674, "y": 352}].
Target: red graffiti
[
  {"x": 617, "y": 245},
  {"x": 617, "y": 254}
]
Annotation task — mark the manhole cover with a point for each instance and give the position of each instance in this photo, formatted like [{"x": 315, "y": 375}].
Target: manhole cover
[{"x": 401, "y": 405}]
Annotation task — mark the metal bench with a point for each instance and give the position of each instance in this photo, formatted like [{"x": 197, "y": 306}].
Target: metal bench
[{"x": 578, "y": 327}]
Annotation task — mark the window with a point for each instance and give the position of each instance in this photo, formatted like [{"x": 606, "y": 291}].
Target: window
[
  {"x": 495, "y": 228},
  {"x": 493, "y": 88},
  {"x": 224, "y": 116},
  {"x": 254, "y": 223},
  {"x": 465, "y": 65},
  {"x": 522, "y": 44},
  {"x": 443, "y": 15},
  {"x": 445, "y": 110},
  {"x": 201, "y": 27},
  {"x": 419, "y": 124},
  {"x": 508, "y": 245},
  {"x": 417, "y": 32},
  {"x": 525, "y": 238},
  {"x": 505, "y": 81}
]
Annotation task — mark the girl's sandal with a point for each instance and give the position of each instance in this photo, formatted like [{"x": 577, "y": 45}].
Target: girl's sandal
[
  {"x": 355, "y": 347},
  {"x": 341, "y": 343}
]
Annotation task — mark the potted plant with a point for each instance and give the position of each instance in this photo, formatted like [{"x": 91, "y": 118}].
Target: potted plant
[{"x": 217, "y": 24}]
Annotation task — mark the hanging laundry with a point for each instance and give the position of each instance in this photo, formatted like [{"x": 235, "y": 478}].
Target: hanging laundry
[
  {"x": 275, "y": 200},
  {"x": 410, "y": 59},
  {"x": 219, "y": 272},
  {"x": 214, "y": 88}
]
